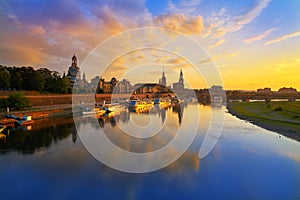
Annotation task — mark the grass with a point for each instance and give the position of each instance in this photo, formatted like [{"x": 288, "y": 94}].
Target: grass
[{"x": 282, "y": 117}]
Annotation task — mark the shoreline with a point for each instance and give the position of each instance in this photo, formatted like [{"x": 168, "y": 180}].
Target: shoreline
[
  {"x": 45, "y": 112},
  {"x": 282, "y": 127}
]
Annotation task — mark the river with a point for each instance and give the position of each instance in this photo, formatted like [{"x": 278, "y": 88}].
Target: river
[{"x": 51, "y": 161}]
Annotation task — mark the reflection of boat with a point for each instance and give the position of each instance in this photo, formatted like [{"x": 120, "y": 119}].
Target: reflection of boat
[
  {"x": 162, "y": 102},
  {"x": 8, "y": 122},
  {"x": 2, "y": 136}
]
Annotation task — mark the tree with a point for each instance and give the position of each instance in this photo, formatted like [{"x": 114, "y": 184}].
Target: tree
[
  {"x": 18, "y": 101},
  {"x": 16, "y": 80},
  {"x": 4, "y": 78}
]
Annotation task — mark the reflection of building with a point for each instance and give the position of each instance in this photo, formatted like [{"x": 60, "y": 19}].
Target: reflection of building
[
  {"x": 179, "y": 86},
  {"x": 285, "y": 90},
  {"x": 73, "y": 72},
  {"x": 163, "y": 80},
  {"x": 178, "y": 108}
]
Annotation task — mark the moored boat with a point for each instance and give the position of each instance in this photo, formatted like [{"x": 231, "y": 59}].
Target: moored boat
[
  {"x": 113, "y": 107},
  {"x": 2, "y": 127},
  {"x": 91, "y": 111}
]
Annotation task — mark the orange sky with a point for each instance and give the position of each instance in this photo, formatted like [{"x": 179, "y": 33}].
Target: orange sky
[{"x": 253, "y": 44}]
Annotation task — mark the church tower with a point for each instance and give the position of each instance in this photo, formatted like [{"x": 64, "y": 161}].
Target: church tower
[
  {"x": 163, "y": 80},
  {"x": 73, "y": 72},
  {"x": 181, "y": 81}
]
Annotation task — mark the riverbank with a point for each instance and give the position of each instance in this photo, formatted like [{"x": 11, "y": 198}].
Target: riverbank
[
  {"x": 280, "y": 117},
  {"x": 43, "y": 112}
]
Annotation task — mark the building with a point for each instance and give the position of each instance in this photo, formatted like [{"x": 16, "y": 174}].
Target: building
[
  {"x": 179, "y": 86},
  {"x": 285, "y": 90},
  {"x": 163, "y": 79},
  {"x": 73, "y": 72},
  {"x": 144, "y": 88},
  {"x": 123, "y": 87},
  {"x": 264, "y": 91},
  {"x": 107, "y": 86}
]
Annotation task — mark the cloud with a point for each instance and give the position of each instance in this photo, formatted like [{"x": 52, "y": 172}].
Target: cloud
[
  {"x": 183, "y": 23},
  {"x": 218, "y": 43},
  {"x": 176, "y": 61},
  {"x": 259, "y": 37},
  {"x": 250, "y": 14},
  {"x": 221, "y": 23},
  {"x": 218, "y": 57},
  {"x": 183, "y": 6},
  {"x": 54, "y": 29},
  {"x": 284, "y": 37}
]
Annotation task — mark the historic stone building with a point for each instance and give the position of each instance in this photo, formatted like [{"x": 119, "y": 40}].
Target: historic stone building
[
  {"x": 123, "y": 87},
  {"x": 179, "y": 86},
  {"x": 107, "y": 86}
]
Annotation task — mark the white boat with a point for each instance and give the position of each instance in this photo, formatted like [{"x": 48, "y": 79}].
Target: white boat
[
  {"x": 91, "y": 111},
  {"x": 113, "y": 107},
  {"x": 2, "y": 127}
]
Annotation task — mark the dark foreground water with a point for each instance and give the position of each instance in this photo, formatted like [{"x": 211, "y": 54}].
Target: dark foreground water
[{"x": 50, "y": 162}]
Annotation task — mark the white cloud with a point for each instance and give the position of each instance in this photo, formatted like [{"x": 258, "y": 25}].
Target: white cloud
[
  {"x": 260, "y": 36},
  {"x": 218, "y": 43},
  {"x": 221, "y": 23},
  {"x": 284, "y": 37},
  {"x": 187, "y": 7}
]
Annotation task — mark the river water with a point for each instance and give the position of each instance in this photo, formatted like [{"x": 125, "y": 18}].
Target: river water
[{"x": 50, "y": 161}]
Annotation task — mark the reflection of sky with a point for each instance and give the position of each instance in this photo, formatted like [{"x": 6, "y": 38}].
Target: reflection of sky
[{"x": 247, "y": 163}]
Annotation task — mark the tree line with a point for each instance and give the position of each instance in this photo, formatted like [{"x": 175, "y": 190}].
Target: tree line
[{"x": 27, "y": 78}]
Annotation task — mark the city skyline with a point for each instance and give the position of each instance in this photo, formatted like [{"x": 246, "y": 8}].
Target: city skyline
[{"x": 252, "y": 43}]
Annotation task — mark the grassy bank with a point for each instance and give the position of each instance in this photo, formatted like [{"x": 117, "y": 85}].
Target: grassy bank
[{"x": 281, "y": 117}]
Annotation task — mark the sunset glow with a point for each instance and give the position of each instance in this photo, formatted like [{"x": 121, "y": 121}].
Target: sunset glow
[{"x": 253, "y": 43}]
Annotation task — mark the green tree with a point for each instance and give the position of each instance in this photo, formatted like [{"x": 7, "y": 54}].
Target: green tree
[
  {"x": 18, "y": 101},
  {"x": 16, "y": 79},
  {"x": 3, "y": 103},
  {"x": 4, "y": 78}
]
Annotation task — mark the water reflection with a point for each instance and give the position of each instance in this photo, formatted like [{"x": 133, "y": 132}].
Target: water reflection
[
  {"x": 42, "y": 134},
  {"x": 245, "y": 155}
]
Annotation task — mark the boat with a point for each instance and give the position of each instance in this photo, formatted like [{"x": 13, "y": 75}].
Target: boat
[
  {"x": 91, "y": 111},
  {"x": 113, "y": 107},
  {"x": 22, "y": 121},
  {"x": 138, "y": 103},
  {"x": 2, "y": 127}
]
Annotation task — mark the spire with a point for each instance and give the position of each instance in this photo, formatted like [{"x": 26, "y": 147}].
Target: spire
[
  {"x": 74, "y": 61},
  {"x": 181, "y": 74}
]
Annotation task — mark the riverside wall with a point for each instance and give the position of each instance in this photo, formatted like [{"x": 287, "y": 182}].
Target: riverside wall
[{"x": 36, "y": 99}]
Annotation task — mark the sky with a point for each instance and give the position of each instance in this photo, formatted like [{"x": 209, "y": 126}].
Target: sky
[{"x": 252, "y": 43}]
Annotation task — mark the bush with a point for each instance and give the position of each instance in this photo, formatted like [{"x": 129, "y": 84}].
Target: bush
[
  {"x": 3, "y": 103},
  {"x": 18, "y": 101},
  {"x": 279, "y": 108}
]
